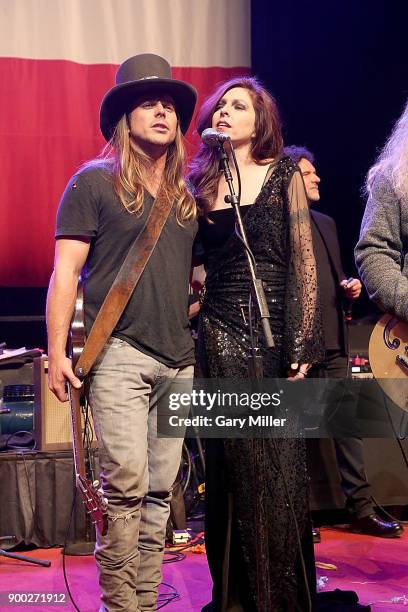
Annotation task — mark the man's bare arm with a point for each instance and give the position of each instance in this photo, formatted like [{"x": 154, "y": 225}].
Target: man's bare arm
[{"x": 70, "y": 256}]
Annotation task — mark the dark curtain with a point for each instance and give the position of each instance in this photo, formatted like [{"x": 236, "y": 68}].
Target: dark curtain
[
  {"x": 36, "y": 494},
  {"x": 339, "y": 71}
]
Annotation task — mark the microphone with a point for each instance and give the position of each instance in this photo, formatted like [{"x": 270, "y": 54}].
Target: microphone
[
  {"x": 348, "y": 310},
  {"x": 348, "y": 304},
  {"x": 212, "y": 138}
]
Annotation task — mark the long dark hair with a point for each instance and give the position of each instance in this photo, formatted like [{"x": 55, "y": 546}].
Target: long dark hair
[{"x": 268, "y": 141}]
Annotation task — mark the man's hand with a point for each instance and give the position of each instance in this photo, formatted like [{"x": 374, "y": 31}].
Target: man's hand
[
  {"x": 351, "y": 288},
  {"x": 70, "y": 257},
  {"x": 60, "y": 371}
]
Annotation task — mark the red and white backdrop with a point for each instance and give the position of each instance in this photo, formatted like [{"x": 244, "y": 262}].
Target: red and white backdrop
[{"x": 57, "y": 59}]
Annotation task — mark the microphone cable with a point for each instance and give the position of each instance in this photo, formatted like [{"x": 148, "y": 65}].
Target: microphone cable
[
  {"x": 164, "y": 599},
  {"x": 64, "y": 571},
  {"x": 87, "y": 439},
  {"x": 237, "y": 228}
]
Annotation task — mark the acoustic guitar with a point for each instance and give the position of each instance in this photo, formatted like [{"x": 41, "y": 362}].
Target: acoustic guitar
[
  {"x": 388, "y": 356},
  {"x": 94, "y": 501}
]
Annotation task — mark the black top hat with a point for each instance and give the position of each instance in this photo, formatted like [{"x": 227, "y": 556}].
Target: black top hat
[{"x": 145, "y": 73}]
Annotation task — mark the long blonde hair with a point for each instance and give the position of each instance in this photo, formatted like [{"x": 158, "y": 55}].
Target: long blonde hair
[
  {"x": 130, "y": 168},
  {"x": 393, "y": 159}
]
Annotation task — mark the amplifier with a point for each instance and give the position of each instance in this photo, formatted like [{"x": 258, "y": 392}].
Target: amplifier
[
  {"x": 52, "y": 424},
  {"x": 359, "y": 366}
]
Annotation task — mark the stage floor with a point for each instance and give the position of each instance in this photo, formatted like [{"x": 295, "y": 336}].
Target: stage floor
[{"x": 376, "y": 568}]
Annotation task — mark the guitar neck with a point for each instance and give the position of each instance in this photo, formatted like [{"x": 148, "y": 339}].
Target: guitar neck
[{"x": 77, "y": 444}]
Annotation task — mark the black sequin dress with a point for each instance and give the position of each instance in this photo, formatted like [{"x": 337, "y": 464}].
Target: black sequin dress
[{"x": 251, "y": 541}]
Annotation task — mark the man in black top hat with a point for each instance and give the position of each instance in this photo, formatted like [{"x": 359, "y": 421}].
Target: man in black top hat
[
  {"x": 103, "y": 209},
  {"x": 334, "y": 288}
]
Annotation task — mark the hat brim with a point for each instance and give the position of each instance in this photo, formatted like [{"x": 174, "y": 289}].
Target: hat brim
[{"x": 120, "y": 99}]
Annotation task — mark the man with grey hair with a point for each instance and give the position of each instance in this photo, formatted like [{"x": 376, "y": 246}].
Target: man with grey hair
[{"x": 334, "y": 288}]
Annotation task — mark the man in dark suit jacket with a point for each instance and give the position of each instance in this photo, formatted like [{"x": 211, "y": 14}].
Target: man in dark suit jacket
[{"x": 334, "y": 288}]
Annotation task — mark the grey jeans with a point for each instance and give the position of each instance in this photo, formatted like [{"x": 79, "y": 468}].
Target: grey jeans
[{"x": 138, "y": 470}]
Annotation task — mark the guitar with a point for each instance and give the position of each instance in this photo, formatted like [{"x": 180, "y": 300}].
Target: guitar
[
  {"x": 94, "y": 501},
  {"x": 388, "y": 355}
]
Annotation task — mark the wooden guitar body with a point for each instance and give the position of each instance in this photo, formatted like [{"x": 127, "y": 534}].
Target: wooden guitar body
[{"x": 388, "y": 355}]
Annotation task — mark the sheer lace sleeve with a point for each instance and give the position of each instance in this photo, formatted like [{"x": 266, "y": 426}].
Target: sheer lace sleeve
[{"x": 303, "y": 326}]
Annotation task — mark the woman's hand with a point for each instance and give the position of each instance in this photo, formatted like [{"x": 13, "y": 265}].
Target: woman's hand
[
  {"x": 193, "y": 310},
  {"x": 298, "y": 371}
]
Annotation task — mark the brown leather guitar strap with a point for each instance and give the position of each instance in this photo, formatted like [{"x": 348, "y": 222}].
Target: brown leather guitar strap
[{"x": 124, "y": 284}]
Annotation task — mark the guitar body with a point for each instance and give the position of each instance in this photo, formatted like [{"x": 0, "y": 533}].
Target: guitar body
[
  {"x": 388, "y": 355},
  {"x": 94, "y": 502}
]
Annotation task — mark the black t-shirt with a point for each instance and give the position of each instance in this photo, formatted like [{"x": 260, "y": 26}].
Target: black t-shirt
[
  {"x": 328, "y": 291},
  {"x": 155, "y": 320}
]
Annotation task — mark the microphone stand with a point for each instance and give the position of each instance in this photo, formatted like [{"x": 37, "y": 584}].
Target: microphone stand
[{"x": 257, "y": 291}]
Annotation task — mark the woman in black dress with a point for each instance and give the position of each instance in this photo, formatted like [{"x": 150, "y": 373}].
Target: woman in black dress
[{"x": 257, "y": 560}]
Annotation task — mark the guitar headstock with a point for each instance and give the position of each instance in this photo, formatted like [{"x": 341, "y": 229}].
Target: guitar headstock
[{"x": 96, "y": 505}]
